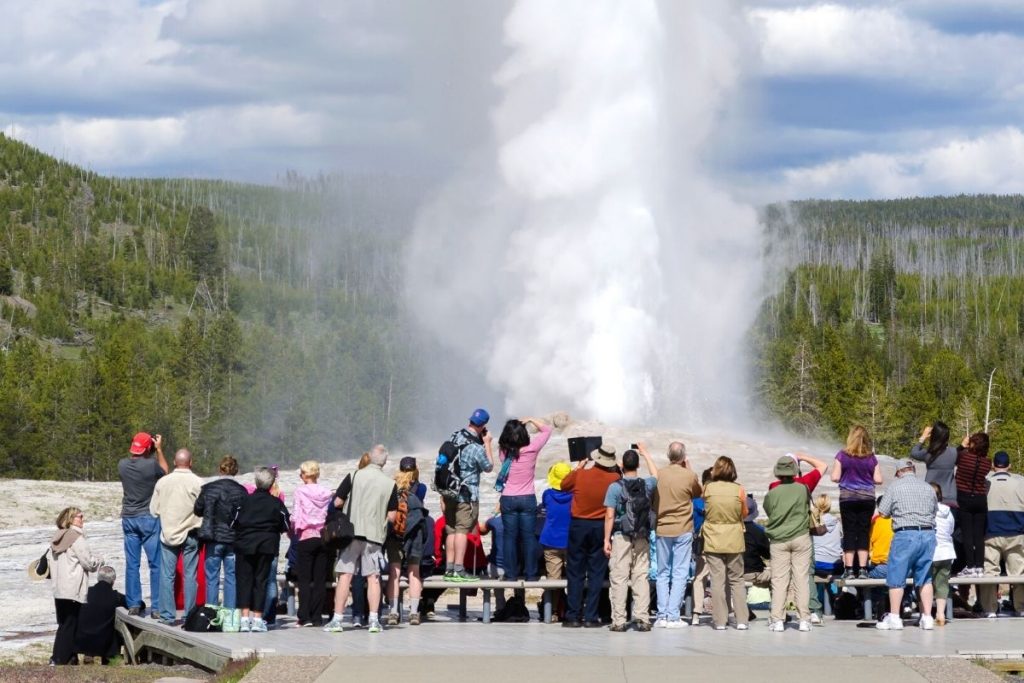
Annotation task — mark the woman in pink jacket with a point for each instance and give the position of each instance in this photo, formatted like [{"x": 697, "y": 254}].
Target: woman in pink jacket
[
  {"x": 518, "y": 497},
  {"x": 310, "y": 511}
]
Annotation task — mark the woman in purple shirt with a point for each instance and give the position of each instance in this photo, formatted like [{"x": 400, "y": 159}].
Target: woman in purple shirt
[
  {"x": 518, "y": 497},
  {"x": 856, "y": 470}
]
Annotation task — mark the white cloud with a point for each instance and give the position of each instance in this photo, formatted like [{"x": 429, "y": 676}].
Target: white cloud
[
  {"x": 989, "y": 163},
  {"x": 884, "y": 43}
]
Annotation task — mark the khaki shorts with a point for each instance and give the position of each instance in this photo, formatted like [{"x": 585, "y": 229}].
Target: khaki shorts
[
  {"x": 360, "y": 557},
  {"x": 460, "y": 518}
]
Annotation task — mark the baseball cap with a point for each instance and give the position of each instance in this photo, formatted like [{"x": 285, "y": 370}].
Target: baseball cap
[
  {"x": 407, "y": 464},
  {"x": 1001, "y": 459},
  {"x": 141, "y": 443},
  {"x": 905, "y": 464},
  {"x": 479, "y": 418}
]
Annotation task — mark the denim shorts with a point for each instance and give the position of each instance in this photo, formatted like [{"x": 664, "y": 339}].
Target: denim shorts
[{"x": 911, "y": 554}]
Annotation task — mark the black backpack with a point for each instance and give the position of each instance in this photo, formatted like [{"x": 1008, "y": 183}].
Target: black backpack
[
  {"x": 202, "y": 619},
  {"x": 448, "y": 467},
  {"x": 636, "y": 522},
  {"x": 514, "y": 611}
]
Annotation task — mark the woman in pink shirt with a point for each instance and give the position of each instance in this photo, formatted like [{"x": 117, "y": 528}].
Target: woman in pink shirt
[
  {"x": 311, "y": 504},
  {"x": 518, "y": 496}
]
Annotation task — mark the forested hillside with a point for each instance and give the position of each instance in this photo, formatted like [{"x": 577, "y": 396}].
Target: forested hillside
[
  {"x": 231, "y": 318},
  {"x": 894, "y": 314}
]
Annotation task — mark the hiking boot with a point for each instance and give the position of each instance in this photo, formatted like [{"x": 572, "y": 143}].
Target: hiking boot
[
  {"x": 643, "y": 626},
  {"x": 414, "y": 619},
  {"x": 890, "y": 622},
  {"x": 392, "y": 619},
  {"x": 375, "y": 626},
  {"x": 334, "y": 626},
  {"x": 618, "y": 628}
]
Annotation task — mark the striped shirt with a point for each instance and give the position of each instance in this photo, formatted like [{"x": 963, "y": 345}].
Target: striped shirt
[
  {"x": 970, "y": 473},
  {"x": 910, "y": 502}
]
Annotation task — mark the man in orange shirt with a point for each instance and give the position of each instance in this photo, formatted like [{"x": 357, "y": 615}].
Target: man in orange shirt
[{"x": 586, "y": 564}]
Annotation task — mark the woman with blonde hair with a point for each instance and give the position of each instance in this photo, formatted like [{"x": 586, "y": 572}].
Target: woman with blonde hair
[
  {"x": 312, "y": 502},
  {"x": 404, "y": 547},
  {"x": 73, "y": 561},
  {"x": 828, "y": 547},
  {"x": 725, "y": 506},
  {"x": 857, "y": 472}
]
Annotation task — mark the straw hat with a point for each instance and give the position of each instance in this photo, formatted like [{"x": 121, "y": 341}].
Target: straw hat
[
  {"x": 558, "y": 472},
  {"x": 37, "y": 573}
]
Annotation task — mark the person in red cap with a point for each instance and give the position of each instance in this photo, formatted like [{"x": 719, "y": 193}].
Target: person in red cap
[{"x": 139, "y": 474}]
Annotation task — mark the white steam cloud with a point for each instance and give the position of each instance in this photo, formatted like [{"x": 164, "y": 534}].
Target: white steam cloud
[{"x": 587, "y": 262}]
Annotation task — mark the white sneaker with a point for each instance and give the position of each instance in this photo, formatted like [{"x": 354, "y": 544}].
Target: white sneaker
[
  {"x": 333, "y": 626},
  {"x": 742, "y": 627},
  {"x": 678, "y": 623},
  {"x": 259, "y": 626},
  {"x": 927, "y": 622},
  {"x": 816, "y": 619},
  {"x": 244, "y": 625},
  {"x": 890, "y": 622},
  {"x": 661, "y": 623},
  {"x": 990, "y": 615},
  {"x": 375, "y": 626},
  {"x": 720, "y": 628},
  {"x": 805, "y": 626},
  {"x": 695, "y": 620},
  {"x": 776, "y": 626}
]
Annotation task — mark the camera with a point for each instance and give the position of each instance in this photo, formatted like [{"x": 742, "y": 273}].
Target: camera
[{"x": 635, "y": 446}]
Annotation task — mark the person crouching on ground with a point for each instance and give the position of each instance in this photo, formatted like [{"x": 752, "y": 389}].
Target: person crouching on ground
[
  {"x": 312, "y": 502},
  {"x": 788, "y": 530},
  {"x": 587, "y": 566},
  {"x": 96, "y": 635},
  {"x": 627, "y": 525},
  {"x": 259, "y": 523},
  {"x": 73, "y": 561},
  {"x": 911, "y": 505},
  {"x": 405, "y": 548},
  {"x": 725, "y": 506}
]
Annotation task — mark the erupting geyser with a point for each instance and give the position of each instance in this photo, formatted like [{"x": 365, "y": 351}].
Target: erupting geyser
[{"x": 592, "y": 264}]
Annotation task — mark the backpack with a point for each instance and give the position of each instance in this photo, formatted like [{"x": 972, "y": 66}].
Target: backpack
[
  {"x": 448, "y": 467},
  {"x": 202, "y": 619},
  {"x": 398, "y": 527},
  {"x": 514, "y": 611},
  {"x": 636, "y": 522}
]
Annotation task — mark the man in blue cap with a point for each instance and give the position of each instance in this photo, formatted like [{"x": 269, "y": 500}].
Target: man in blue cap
[{"x": 474, "y": 455}]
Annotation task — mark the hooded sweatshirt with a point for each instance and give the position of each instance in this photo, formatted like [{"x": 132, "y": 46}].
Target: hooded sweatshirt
[
  {"x": 943, "y": 534},
  {"x": 310, "y": 510},
  {"x": 556, "y": 523},
  {"x": 72, "y": 563}
]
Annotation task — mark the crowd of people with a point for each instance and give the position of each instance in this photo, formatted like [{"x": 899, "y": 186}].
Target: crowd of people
[{"x": 664, "y": 535}]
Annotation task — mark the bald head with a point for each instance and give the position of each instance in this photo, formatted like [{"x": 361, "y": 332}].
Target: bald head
[
  {"x": 183, "y": 458},
  {"x": 677, "y": 453}
]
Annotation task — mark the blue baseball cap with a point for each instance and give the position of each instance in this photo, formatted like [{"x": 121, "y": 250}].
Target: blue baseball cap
[{"x": 479, "y": 418}]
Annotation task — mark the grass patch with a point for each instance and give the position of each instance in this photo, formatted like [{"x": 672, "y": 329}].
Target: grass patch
[{"x": 236, "y": 670}]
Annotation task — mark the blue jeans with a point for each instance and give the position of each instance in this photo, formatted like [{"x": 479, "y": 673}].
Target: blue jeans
[
  {"x": 217, "y": 554},
  {"x": 673, "y": 573},
  {"x": 519, "y": 520},
  {"x": 270, "y": 608},
  {"x": 141, "y": 533},
  {"x": 168, "y": 565},
  {"x": 586, "y": 568},
  {"x": 911, "y": 553}
]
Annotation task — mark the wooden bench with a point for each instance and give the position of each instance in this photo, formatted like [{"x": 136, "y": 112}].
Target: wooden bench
[
  {"x": 146, "y": 640},
  {"x": 864, "y": 586}
]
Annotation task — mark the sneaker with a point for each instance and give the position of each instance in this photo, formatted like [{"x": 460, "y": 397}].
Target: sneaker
[
  {"x": 927, "y": 623},
  {"x": 414, "y": 619},
  {"x": 571, "y": 624},
  {"x": 463, "y": 577},
  {"x": 979, "y": 572},
  {"x": 966, "y": 572},
  {"x": 805, "y": 626},
  {"x": 357, "y": 622},
  {"x": 450, "y": 577},
  {"x": 618, "y": 628},
  {"x": 777, "y": 627},
  {"x": 643, "y": 626},
  {"x": 695, "y": 620},
  {"x": 990, "y": 615},
  {"x": 375, "y": 626},
  {"x": 863, "y": 574},
  {"x": 245, "y": 625},
  {"x": 258, "y": 626},
  {"x": 678, "y": 623},
  {"x": 392, "y": 619},
  {"x": 847, "y": 575},
  {"x": 719, "y": 628},
  {"x": 134, "y": 611},
  {"x": 334, "y": 626},
  {"x": 661, "y": 623},
  {"x": 890, "y": 622},
  {"x": 816, "y": 619},
  {"x": 592, "y": 624},
  {"x": 742, "y": 627}
]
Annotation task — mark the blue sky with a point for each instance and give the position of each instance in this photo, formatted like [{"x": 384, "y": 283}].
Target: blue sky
[{"x": 844, "y": 99}]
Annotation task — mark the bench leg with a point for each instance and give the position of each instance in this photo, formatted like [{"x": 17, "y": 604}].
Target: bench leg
[
  {"x": 289, "y": 593},
  {"x": 869, "y": 612},
  {"x": 487, "y": 606},
  {"x": 546, "y": 602},
  {"x": 949, "y": 608},
  {"x": 826, "y": 599},
  {"x": 688, "y": 606},
  {"x": 462, "y": 605}
]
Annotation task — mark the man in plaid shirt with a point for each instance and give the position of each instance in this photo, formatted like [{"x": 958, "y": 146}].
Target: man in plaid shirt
[{"x": 911, "y": 504}]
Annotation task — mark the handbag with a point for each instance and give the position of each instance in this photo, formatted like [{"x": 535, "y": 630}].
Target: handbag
[{"x": 338, "y": 532}]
